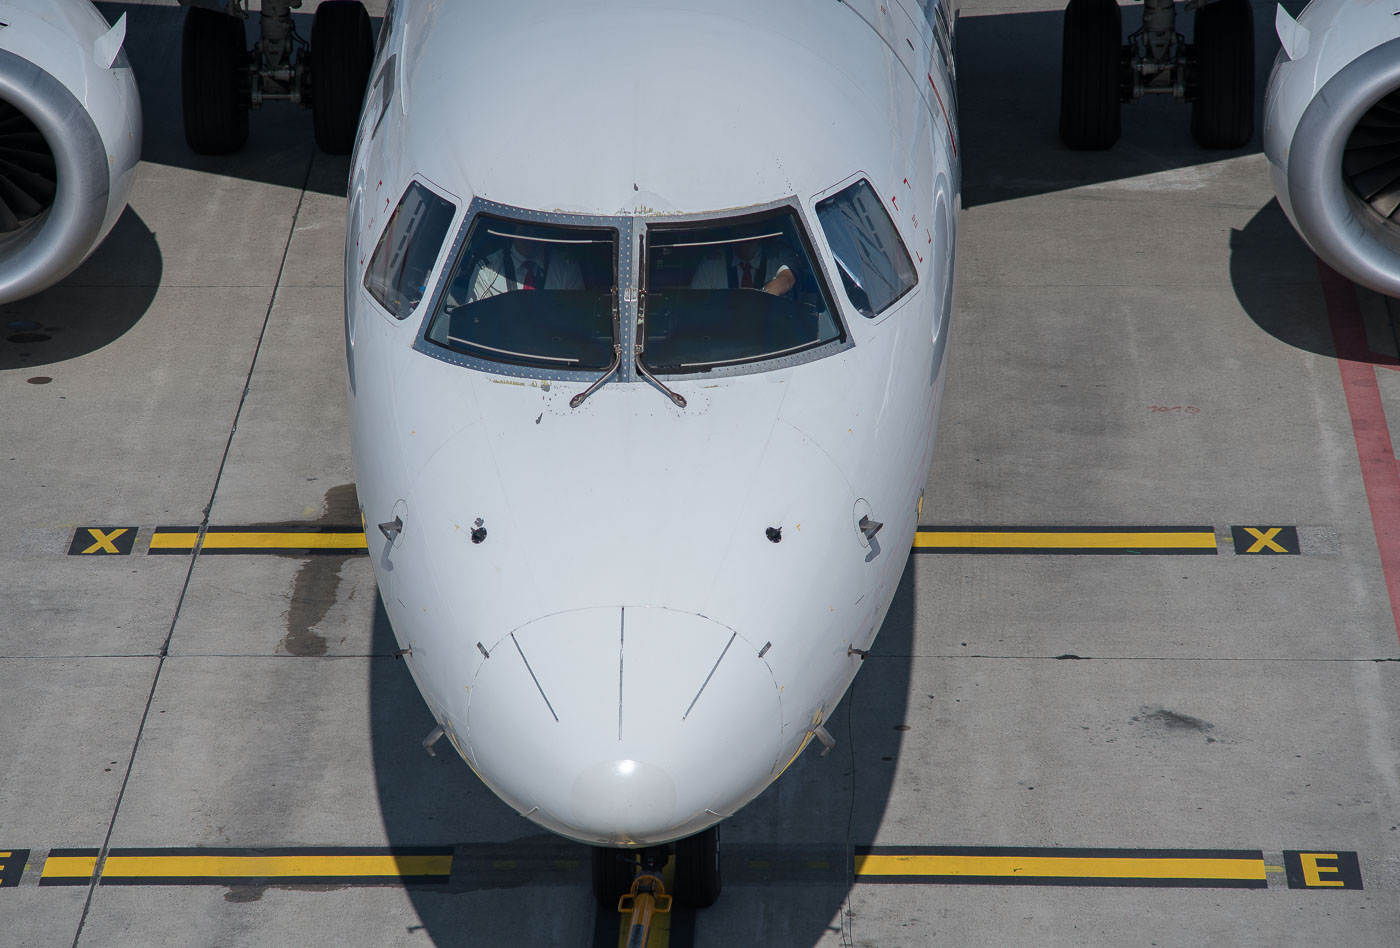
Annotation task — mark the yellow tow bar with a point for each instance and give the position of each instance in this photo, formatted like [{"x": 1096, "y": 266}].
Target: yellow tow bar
[{"x": 648, "y": 897}]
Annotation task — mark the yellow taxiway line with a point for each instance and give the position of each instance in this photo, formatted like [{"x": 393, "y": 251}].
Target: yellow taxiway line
[
  {"x": 870, "y": 867},
  {"x": 1107, "y": 540}
]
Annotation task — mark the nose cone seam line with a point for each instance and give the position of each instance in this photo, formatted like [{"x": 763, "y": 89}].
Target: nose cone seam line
[
  {"x": 725, "y": 652},
  {"x": 534, "y": 678}
]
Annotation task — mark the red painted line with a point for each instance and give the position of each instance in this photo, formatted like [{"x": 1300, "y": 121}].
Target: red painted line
[
  {"x": 1379, "y": 473},
  {"x": 946, "y": 120}
]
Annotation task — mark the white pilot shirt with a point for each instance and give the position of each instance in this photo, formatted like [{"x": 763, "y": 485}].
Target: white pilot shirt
[
  {"x": 561, "y": 272},
  {"x": 711, "y": 275}
]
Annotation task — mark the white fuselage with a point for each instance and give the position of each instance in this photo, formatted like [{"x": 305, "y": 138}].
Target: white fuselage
[{"x": 627, "y": 656}]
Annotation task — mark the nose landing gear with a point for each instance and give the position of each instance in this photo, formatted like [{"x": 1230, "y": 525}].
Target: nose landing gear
[{"x": 633, "y": 882}]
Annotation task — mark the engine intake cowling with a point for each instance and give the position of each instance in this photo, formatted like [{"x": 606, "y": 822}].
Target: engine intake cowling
[
  {"x": 1332, "y": 136},
  {"x": 70, "y": 128}
]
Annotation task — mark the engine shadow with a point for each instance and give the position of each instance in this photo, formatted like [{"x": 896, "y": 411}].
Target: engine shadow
[
  {"x": 1275, "y": 278},
  {"x": 63, "y": 322},
  {"x": 281, "y": 141},
  {"x": 1009, "y": 102},
  {"x": 513, "y": 883}
]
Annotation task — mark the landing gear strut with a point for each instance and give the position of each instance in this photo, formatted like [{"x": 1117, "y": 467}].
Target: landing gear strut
[
  {"x": 632, "y": 882},
  {"x": 1100, "y": 72},
  {"x": 221, "y": 80}
]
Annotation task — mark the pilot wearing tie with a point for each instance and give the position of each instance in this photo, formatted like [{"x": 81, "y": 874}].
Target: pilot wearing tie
[
  {"x": 525, "y": 265},
  {"x": 755, "y": 264}
]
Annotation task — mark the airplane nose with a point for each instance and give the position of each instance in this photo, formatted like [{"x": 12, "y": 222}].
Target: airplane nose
[
  {"x": 624, "y": 792},
  {"x": 624, "y": 726}
]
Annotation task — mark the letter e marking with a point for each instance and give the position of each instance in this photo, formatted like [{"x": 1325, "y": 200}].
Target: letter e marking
[{"x": 1326, "y": 871}]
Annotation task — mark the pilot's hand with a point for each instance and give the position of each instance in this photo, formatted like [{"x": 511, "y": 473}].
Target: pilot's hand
[{"x": 781, "y": 283}]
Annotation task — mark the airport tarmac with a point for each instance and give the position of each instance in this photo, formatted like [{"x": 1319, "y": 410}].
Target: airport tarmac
[{"x": 1140, "y": 684}]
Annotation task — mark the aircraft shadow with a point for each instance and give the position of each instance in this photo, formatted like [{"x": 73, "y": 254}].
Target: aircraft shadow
[
  {"x": 1009, "y": 101},
  {"x": 1275, "y": 277},
  {"x": 64, "y": 322},
  {"x": 513, "y": 883}
]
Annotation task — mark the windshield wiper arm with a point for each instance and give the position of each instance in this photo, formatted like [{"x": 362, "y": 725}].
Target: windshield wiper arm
[
  {"x": 676, "y": 397},
  {"x": 577, "y": 400},
  {"x": 640, "y": 348}
]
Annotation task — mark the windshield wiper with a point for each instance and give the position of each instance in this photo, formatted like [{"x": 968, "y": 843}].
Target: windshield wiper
[
  {"x": 577, "y": 400},
  {"x": 639, "y": 350},
  {"x": 676, "y": 397}
]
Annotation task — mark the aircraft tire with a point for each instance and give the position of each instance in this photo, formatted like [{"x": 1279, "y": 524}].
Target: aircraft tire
[
  {"x": 1223, "y": 113},
  {"x": 697, "y": 869},
  {"x": 613, "y": 872},
  {"x": 342, "y": 54},
  {"x": 213, "y": 55},
  {"x": 1090, "y": 67}
]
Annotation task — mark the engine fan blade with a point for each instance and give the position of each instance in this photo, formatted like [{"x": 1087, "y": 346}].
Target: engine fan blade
[
  {"x": 1371, "y": 160},
  {"x": 28, "y": 175}
]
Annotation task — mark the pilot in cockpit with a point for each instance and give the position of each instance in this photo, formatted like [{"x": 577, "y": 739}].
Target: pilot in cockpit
[
  {"x": 753, "y": 263},
  {"x": 523, "y": 264}
]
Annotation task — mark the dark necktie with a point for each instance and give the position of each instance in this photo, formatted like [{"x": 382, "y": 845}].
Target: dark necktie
[
  {"x": 527, "y": 275},
  {"x": 747, "y": 278}
]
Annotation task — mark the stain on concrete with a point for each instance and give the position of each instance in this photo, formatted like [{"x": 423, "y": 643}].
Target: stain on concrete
[
  {"x": 244, "y": 893},
  {"x": 1164, "y": 720},
  {"x": 317, "y": 582}
]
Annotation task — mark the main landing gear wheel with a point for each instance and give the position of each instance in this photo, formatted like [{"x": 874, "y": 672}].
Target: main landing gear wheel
[
  {"x": 342, "y": 51},
  {"x": 213, "y": 67},
  {"x": 697, "y": 876},
  {"x": 1223, "y": 113},
  {"x": 1091, "y": 74},
  {"x": 613, "y": 872}
]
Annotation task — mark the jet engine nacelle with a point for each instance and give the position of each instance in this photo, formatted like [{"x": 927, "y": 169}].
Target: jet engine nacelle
[
  {"x": 1332, "y": 135},
  {"x": 70, "y": 138}
]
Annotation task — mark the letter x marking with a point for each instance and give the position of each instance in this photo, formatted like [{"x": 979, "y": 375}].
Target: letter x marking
[
  {"x": 1264, "y": 540},
  {"x": 104, "y": 540}
]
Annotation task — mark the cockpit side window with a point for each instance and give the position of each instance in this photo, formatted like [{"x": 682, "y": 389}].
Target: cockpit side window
[
  {"x": 398, "y": 272},
  {"x": 531, "y": 294},
  {"x": 874, "y": 264},
  {"x": 725, "y": 292},
  {"x": 386, "y": 29}
]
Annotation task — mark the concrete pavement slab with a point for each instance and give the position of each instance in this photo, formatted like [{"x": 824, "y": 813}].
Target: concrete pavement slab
[
  {"x": 69, "y": 728},
  {"x": 249, "y": 918},
  {"x": 43, "y": 918},
  {"x": 278, "y": 605}
]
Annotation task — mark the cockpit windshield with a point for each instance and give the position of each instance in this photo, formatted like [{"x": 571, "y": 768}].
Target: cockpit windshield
[
  {"x": 531, "y": 294},
  {"x": 732, "y": 291}
]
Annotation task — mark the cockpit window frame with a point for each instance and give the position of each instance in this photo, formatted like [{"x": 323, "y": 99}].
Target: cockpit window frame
[
  {"x": 479, "y": 206},
  {"x": 631, "y": 230},
  {"x": 816, "y": 263},
  {"x": 901, "y": 240},
  {"x": 363, "y": 272}
]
